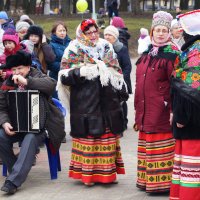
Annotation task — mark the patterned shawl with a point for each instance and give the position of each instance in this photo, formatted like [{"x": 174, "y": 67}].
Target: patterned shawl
[
  {"x": 99, "y": 59},
  {"x": 186, "y": 77}
]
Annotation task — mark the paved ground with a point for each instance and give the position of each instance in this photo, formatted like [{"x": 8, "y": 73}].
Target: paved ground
[{"x": 39, "y": 186}]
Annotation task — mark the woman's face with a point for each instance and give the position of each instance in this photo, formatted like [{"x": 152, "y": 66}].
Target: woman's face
[
  {"x": 61, "y": 32},
  {"x": 34, "y": 38},
  {"x": 110, "y": 38},
  {"x": 92, "y": 34},
  {"x": 176, "y": 31},
  {"x": 160, "y": 34},
  {"x": 22, "y": 32}
]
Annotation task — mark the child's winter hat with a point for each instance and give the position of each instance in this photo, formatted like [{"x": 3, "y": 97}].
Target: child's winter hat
[
  {"x": 118, "y": 22},
  {"x": 111, "y": 30},
  {"x": 34, "y": 30},
  {"x": 144, "y": 31},
  {"x": 162, "y": 18},
  {"x": 3, "y": 15},
  {"x": 21, "y": 25},
  {"x": 10, "y": 34}
]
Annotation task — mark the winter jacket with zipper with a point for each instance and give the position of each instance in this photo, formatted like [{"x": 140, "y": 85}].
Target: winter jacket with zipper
[{"x": 58, "y": 45}]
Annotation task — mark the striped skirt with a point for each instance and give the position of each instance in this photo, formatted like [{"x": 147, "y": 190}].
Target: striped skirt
[
  {"x": 96, "y": 159},
  {"x": 155, "y": 161},
  {"x": 186, "y": 172}
]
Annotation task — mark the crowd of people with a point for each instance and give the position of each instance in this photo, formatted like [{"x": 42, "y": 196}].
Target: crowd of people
[{"x": 90, "y": 76}]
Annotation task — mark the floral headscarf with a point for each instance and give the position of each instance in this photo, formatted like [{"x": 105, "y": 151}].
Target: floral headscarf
[{"x": 81, "y": 37}]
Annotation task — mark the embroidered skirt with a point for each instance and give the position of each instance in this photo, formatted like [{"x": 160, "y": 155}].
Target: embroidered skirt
[
  {"x": 96, "y": 159},
  {"x": 155, "y": 161},
  {"x": 186, "y": 171}
]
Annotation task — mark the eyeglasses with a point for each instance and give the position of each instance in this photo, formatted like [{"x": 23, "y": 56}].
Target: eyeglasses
[
  {"x": 91, "y": 33},
  {"x": 163, "y": 31},
  {"x": 23, "y": 31}
]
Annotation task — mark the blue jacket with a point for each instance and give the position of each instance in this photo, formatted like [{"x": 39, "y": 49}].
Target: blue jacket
[{"x": 58, "y": 45}]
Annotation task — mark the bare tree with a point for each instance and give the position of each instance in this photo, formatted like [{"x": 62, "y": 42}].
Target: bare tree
[
  {"x": 66, "y": 7},
  {"x": 25, "y": 6},
  {"x": 196, "y": 4},
  {"x": 1, "y": 4},
  {"x": 184, "y": 4},
  {"x": 171, "y": 4},
  {"x": 153, "y": 5},
  {"x": 135, "y": 4},
  {"x": 32, "y": 6}
]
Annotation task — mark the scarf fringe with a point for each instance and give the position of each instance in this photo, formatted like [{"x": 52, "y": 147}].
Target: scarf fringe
[{"x": 107, "y": 75}]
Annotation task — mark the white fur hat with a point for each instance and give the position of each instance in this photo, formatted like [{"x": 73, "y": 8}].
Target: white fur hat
[
  {"x": 144, "y": 31},
  {"x": 174, "y": 22},
  {"x": 112, "y": 31}
]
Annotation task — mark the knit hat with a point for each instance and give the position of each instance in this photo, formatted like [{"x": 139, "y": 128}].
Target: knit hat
[
  {"x": 162, "y": 18},
  {"x": 118, "y": 22},
  {"x": 21, "y": 25},
  {"x": 24, "y": 17},
  {"x": 27, "y": 19},
  {"x": 10, "y": 34},
  {"x": 20, "y": 58},
  {"x": 112, "y": 31},
  {"x": 34, "y": 30},
  {"x": 29, "y": 45},
  {"x": 144, "y": 31},
  {"x": 3, "y": 15},
  {"x": 190, "y": 22}
]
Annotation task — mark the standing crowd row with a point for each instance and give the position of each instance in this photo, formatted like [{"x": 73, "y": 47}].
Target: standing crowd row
[{"x": 90, "y": 76}]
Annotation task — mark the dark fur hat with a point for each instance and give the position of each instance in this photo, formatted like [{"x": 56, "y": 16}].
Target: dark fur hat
[
  {"x": 20, "y": 58},
  {"x": 34, "y": 30}
]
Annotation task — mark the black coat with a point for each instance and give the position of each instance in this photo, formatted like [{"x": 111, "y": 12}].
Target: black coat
[
  {"x": 93, "y": 108},
  {"x": 126, "y": 66},
  {"x": 124, "y": 36}
]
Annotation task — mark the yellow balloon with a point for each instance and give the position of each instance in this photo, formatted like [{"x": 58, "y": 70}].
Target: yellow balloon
[{"x": 82, "y": 5}]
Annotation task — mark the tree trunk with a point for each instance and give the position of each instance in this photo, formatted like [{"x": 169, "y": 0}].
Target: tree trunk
[
  {"x": 1, "y": 4},
  {"x": 153, "y": 5},
  {"x": 184, "y": 4},
  {"x": 7, "y": 5},
  {"x": 66, "y": 7},
  {"x": 25, "y": 6},
  {"x": 32, "y": 4},
  {"x": 135, "y": 4},
  {"x": 171, "y": 4},
  {"x": 196, "y": 4}
]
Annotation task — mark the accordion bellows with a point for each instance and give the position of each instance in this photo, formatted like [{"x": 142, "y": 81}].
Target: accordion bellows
[{"x": 26, "y": 110}]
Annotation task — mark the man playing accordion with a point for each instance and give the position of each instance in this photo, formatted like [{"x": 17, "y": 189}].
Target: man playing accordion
[{"x": 24, "y": 77}]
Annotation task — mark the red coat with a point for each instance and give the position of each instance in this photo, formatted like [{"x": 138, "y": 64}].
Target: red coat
[{"x": 152, "y": 91}]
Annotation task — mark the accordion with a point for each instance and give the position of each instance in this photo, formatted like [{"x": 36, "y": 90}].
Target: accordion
[{"x": 26, "y": 110}]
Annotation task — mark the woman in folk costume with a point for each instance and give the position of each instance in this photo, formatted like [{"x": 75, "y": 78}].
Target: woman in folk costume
[
  {"x": 152, "y": 106},
  {"x": 91, "y": 76},
  {"x": 186, "y": 109}
]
